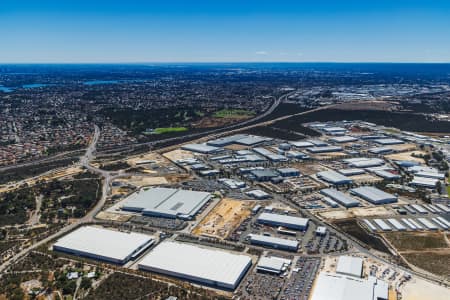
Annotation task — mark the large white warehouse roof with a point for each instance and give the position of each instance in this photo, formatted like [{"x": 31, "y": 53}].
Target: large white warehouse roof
[
  {"x": 198, "y": 264},
  {"x": 167, "y": 202},
  {"x": 373, "y": 195},
  {"x": 103, "y": 244},
  {"x": 338, "y": 287}
]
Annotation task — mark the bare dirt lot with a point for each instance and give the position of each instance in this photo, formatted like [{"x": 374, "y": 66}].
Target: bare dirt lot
[
  {"x": 404, "y": 147},
  {"x": 407, "y": 156},
  {"x": 224, "y": 218},
  {"x": 150, "y": 156},
  {"x": 309, "y": 169},
  {"x": 140, "y": 181},
  {"x": 178, "y": 154},
  {"x": 360, "y": 212}
]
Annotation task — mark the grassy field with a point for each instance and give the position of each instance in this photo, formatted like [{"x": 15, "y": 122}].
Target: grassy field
[
  {"x": 404, "y": 241},
  {"x": 163, "y": 130},
  {"x": 428, "y": 251},
  {"x": 233, "y": 113},
  {"x": 435, "y": 262}
]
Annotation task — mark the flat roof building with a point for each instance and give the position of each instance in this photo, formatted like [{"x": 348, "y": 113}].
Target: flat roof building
[
  {"x": 350, "y": 265},
  {"x": 351, "y": 172},
  {"x": 340, "y": 197},
  {"x": 424, "y": 182},
  {"x": 343, "y": 139},
  {"x": 334, "y": 177},
  {"x": 373, "y": 195},
  {"x": 386, "y": 175},
  {"x": 269, "y": 154},
  {"x": 301, "y": 144},
  {"x": 273, "y": 242},
  {"x": 103, "y": 244},
  {"x": 272, "y": 264},
  {"x": 389, "y": 141},
  {"x": 364, "y": 162},
  {"x": 264, "y": 175},
  {"x": 283, "y": 220},
  {"x": 166, "y": 202},
  {"x": 340, "y": 287},
  {"x": 324, "y": 149},
  {"x": 200, "y": 148},
  {"x": 206, "y": 266},
  {"x": 288, "y": 172}
]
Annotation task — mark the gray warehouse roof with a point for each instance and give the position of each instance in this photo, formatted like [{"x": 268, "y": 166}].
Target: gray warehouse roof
[
  {"x": 167, "y": 202},
  {"x": 201, "y": 148},
  {"x": 226, "y": 140},
  {"x": 288, "y": 221},
  {"x": 273, "y": 240},
  {"x": 333, "y": 177},
  {"x": 374, "y": 195},
  {"x": 340, "y": 197},
  {"x": 388, "y": 141}
]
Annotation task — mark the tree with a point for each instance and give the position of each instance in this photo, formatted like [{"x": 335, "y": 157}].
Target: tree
[{"x": 86, "y": 283}]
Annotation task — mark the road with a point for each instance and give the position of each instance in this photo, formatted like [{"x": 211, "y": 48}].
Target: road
[
  {"x": 107, "y": 178},
  {"x": 219, "y": 131},
  {"x": 84, "y": 160}
]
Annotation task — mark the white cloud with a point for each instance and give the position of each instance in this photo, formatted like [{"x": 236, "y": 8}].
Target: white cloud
[
  {"x": 300, "y": 54},
  {"x": 261, "y": 53}
]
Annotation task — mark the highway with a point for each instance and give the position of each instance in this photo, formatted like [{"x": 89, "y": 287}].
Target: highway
[
  {"x": 84, "y": 160},
  {"x": 108, "y": 177}
]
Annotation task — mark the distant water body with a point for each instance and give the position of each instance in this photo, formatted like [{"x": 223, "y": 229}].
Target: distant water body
[
  {"x": 96, "y": 82},
  {"x": 5, "y": 89},
  {"x": 25, "y": 86}
]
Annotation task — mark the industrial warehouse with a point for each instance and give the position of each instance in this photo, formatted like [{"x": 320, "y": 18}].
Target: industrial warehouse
[
  {"x": 281, "y": 210},
  {"x": 206, "y": 266},
  {"x": 166, "y": 202},
  {"x": 283, "y": 220},
  {"x": 104, "y": 244}
]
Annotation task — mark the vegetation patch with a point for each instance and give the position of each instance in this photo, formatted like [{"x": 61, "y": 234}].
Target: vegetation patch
[
  {"x": 436, "y": 262},
  {"x": 352, "y": 228},
  {"x": 400, "y": 120},
  {"x": 125, "y": 286},
  {"x": 233, "y": 113},
  {"x": 163, "y": 130},
  {"x": 14, "y": 206},
  {"x": 405, "y": 241}
]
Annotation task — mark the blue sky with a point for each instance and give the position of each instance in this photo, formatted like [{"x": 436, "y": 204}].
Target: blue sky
[{"x": 224, "y": 31}]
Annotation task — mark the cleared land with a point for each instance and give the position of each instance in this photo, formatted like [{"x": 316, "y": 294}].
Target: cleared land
[
  {"x": 178, "y": 155},
  {"x": 436, "y": 262},
  {"x": 419, "y": 289},
  {"x": 428, "y": 251},
  {"x": 224, "y": 218},
  {"x": 411, "y": 241},
  {"x": 411, "y": 155}
]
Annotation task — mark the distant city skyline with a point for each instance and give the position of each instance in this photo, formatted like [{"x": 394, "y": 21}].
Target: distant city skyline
[{"x": 101, "y": 31}]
